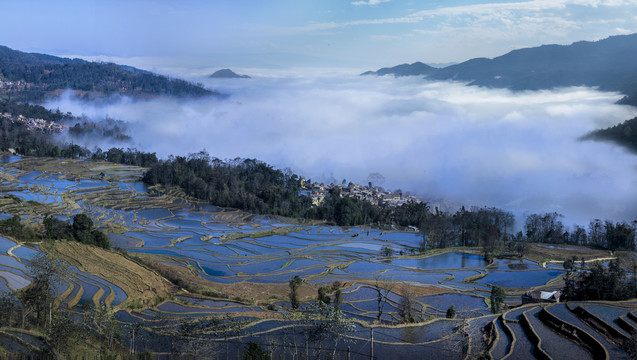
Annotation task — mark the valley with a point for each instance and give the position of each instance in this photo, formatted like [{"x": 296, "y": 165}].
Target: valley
[{"x": 235, "y": 269}]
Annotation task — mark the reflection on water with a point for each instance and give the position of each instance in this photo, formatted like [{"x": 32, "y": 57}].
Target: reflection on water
[{"x": 7, "y": 159}]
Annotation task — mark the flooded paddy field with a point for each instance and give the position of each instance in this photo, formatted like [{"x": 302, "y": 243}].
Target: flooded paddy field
[{"x": 246, "y": 262}]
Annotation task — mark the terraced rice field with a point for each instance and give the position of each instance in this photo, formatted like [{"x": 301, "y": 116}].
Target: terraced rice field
[{"x": 251, "y": 259}]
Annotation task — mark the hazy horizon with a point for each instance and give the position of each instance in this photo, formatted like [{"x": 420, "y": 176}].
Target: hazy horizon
[{"x": 315, "y": 33}]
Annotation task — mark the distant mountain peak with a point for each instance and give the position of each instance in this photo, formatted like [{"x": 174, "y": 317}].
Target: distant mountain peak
[
  {"x": 227, "y": 74},
  {"x": 606, "y": 64},
  {"x": 415, "y": 69}
]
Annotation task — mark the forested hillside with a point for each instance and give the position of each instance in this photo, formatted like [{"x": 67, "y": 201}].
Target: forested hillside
[
  {"x": 624, "y": 134},
  {"x": 31, "y": 77}
]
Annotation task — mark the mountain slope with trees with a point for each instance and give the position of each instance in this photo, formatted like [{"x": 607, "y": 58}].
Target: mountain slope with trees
[
  {"x": 607, "y": 64},
  {"x": 32, "y": 77},
  {"x": 414, "y": 69},
  {"x": 624, "y": 134}
]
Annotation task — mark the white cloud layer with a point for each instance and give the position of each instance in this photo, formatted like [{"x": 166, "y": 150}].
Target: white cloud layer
[
  {"x": 472, "y": 146},
  {"x": 369, "y": 2}
]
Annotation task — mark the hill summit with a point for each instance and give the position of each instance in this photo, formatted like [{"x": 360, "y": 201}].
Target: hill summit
[
  {"x": 227, "y": 74},
  {"x": 414, "y": 69}
]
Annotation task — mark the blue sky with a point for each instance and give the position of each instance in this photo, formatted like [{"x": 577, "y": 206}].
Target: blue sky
[{"x": 296, "y": 33}]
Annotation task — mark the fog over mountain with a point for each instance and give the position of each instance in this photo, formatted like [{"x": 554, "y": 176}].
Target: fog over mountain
[
  {"x": 606, "y": 64},
  {"x": 470, "y": 145}
]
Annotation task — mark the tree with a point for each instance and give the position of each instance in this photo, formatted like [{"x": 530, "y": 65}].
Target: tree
[
  {"x": 105, "y": 324},
  {"x": 602, "y": 284},
  {"x": 497, "y": 299},
  {"x": 338, "y": 296},
  {"x": 595, "y": 233},
  {"x": 327, "y": 324},
  {"x": 323, "y": 295},
  {"x": 451, "y": 312},
  {"x": 55, "y": 228},
  {"x": 9, "y": 308},
  {"x": 61, "y": 330},
  {"x": 294, "y": 284},
  {"x": 338, "y": 299},
  {"x": 407, "y": 308},
  {"x": 254, "y": 351},
  {"x": 39, "y": 296},
  {"x": 84, "y": 232},
  {"x": 619, "y": 236},
  {"x": 383, "y": 290},
  {"x": 191, "y": 340},
  {"x": 437, "y": 228},
  {"x": 82, "y": 222},
  {"x": 386, "y": 251}
]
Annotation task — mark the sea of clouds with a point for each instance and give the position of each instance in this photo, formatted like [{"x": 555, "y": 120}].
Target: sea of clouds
[{"x": 468, "y": 145}]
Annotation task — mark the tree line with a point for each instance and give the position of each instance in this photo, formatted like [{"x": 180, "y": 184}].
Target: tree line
[
  {"x": 548, "y": 228},
  {"x": 490, "y": 227},
  {"x": 81, "y": 229},
  {"x": 598, "y": 282},
  {"x": 107, "y": 128},
  {"x": 254, "y": 186},
  {"x": 624, "y": 134}
]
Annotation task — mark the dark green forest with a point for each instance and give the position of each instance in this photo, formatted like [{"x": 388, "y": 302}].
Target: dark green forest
[
  {"x": 107, "y": 128},
  {"x": 257, "y": 187},
  {"x": 45, "y": 74},
  {"x": 624, "y": 134},
  {"x": 33, "y": 111},
  {"x": 81, "y": 229},
  {"x": 598, "y": 282}
]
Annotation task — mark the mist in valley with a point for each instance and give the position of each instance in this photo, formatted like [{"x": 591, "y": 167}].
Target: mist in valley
[{"x": 440, "y": 140}]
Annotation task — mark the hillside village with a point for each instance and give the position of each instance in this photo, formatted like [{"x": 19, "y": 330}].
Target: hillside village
[
  {"x": 45, "y": 126},
  {"x": 14, "y": 85},
  {"x": 375, "y": 195}
]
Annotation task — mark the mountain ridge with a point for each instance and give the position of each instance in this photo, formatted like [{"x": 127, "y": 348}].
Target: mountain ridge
[
  {"x": 606, "y": 64},
  {"x": 32, "y": 77},
  {"x": 414, "y": 69}
]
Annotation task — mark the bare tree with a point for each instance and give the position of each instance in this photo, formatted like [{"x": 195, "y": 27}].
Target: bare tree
[
  {"x": 327, "y": 324},
  {"x": 39, "y": 296},
  {"x": 408, "y": 307},
  {"x": 383, "y": 289}
]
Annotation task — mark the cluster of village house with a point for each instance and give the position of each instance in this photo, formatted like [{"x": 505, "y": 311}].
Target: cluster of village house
[
  {"x": 375, "y": 195},
  {"x": 14, "y": 85},
  {"x": 35, "y": 124}
]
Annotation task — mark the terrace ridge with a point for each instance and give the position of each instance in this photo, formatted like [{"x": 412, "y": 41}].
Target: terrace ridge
[
  {"x": 574, "y": 333},
  {"x": 509, "y": 333},
  {"x": 626, "y": 324},
  {"x": 601, "y": 326},
  {"x": 493, "y": 335},
  {"x": 535, "y": 339}
]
